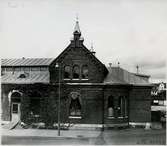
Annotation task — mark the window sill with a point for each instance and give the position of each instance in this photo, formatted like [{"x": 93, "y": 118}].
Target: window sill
[
  {"x": 36, "y": 116},
  {"x": 85, "y": 79},
  {"x": 75, "y": 117},
  {"x": 76, "y": 79},
  {"x": 111, "y": 117},
  {"x": 67, "y": 79},
  {"x": 120, "y": 117}
]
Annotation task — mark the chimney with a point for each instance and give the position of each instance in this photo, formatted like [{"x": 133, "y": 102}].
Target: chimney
[
  {"x": 137, "y": 69},
  {"x": 110, "y": 65},
  {"x": 118, "y": 64}
]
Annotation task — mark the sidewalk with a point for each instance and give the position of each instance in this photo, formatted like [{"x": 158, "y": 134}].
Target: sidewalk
[
  {"x": 50, "y": 133},
  {"x": 78, "y": 133}
]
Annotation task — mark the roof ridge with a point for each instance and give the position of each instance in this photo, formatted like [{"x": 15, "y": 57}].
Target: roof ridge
[{"x": 27, "y": 61}]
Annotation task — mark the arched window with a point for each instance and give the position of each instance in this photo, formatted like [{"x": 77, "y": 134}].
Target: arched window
[
  {"x": 110, "y": 106},
  {"x": 122, "y": 107},
  {"x": 75, "y": 72},
  {"x": 16, "y": 96},
  {"x": 75, "y": 105},
  {"x": 85, "y": 72},
  {"x": 67, "y": 72},
  {"x": 126, "y": 106}
]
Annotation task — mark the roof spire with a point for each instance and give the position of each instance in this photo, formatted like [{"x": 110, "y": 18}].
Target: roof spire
[
  {"x": 76, "y": 28},
  {"x": 92, "y": 49},
  {"x": 77, "y": 40}
]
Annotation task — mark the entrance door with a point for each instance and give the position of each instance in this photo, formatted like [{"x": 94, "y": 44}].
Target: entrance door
[{"x": 15, "y": 112}]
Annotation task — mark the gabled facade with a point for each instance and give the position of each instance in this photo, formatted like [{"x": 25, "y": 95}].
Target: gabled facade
[
  {"x": 77, "y": 63},
  {"x": 90, "y": 93}
]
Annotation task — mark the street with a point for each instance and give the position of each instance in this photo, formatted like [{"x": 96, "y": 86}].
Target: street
[
  {"x": 104, "y": 138},
  {"x": 7, "y": 140}
]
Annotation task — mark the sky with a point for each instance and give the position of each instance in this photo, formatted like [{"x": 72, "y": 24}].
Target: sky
[{"x": 132, "y": 32}]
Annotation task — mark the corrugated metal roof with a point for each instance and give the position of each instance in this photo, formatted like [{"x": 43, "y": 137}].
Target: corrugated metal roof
[
  {"x": 30, "y": 78},
  {"x": 27, "y": 62},
  {"x": 121, "y": 76}
]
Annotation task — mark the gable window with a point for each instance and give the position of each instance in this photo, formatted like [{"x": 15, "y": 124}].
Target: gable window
[
  {"x": 10, "y": 69},
  {"x": 75, "y": 105},
  {"x": 35, "y": 68},
  {"x": 84, "y": 72},
  {"x": 75, "y": 72},
  {"x": 26, "y": 68},
  {"x": 17, "y": 69},
  {"x": 110, "y": 106},
  {"x": 43, "y": 69},
  {"x": 67, "y": 72}
]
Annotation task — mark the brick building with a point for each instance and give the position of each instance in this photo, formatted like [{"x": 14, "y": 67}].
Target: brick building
[
  {"x": 158, "y": 104},
  {"x": 91, "y": 94}
]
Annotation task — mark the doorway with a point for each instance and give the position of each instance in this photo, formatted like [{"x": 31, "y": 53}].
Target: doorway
[
  {"x": 15, "y": 111},
  {"x": 15, "y": 102}
]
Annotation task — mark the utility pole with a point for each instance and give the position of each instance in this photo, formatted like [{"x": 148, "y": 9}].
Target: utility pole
[{"x": 58, "y": 66}]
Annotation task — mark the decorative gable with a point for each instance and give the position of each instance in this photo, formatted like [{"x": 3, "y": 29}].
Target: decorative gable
[{"x": 78, "y": 63}]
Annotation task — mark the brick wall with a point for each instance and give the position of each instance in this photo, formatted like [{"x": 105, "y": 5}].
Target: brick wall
[
  {"x": 78, "y": 56},
  {"x": 116, "y": 91},
  {"x": 5, "y": 109},
  {"x": 140, "y": 104},
  {"x": 92, "y": 96},
  {"x": 91, "y": 104}
]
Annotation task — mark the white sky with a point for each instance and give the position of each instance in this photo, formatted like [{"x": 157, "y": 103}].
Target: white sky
[{"x": 129, "y": 31}]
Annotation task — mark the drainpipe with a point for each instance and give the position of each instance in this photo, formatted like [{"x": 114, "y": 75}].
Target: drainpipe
[
  {"x": 9, "y": 99},
  {"x": 103, "y": 111}
]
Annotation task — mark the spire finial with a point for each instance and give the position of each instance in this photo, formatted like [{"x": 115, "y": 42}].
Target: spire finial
[
  {"x": 92, "y": 46},
  {"x": 92, "y": 49},
  {"x": 77, "y": 17},
  {"x": 77, "y": 29}
]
